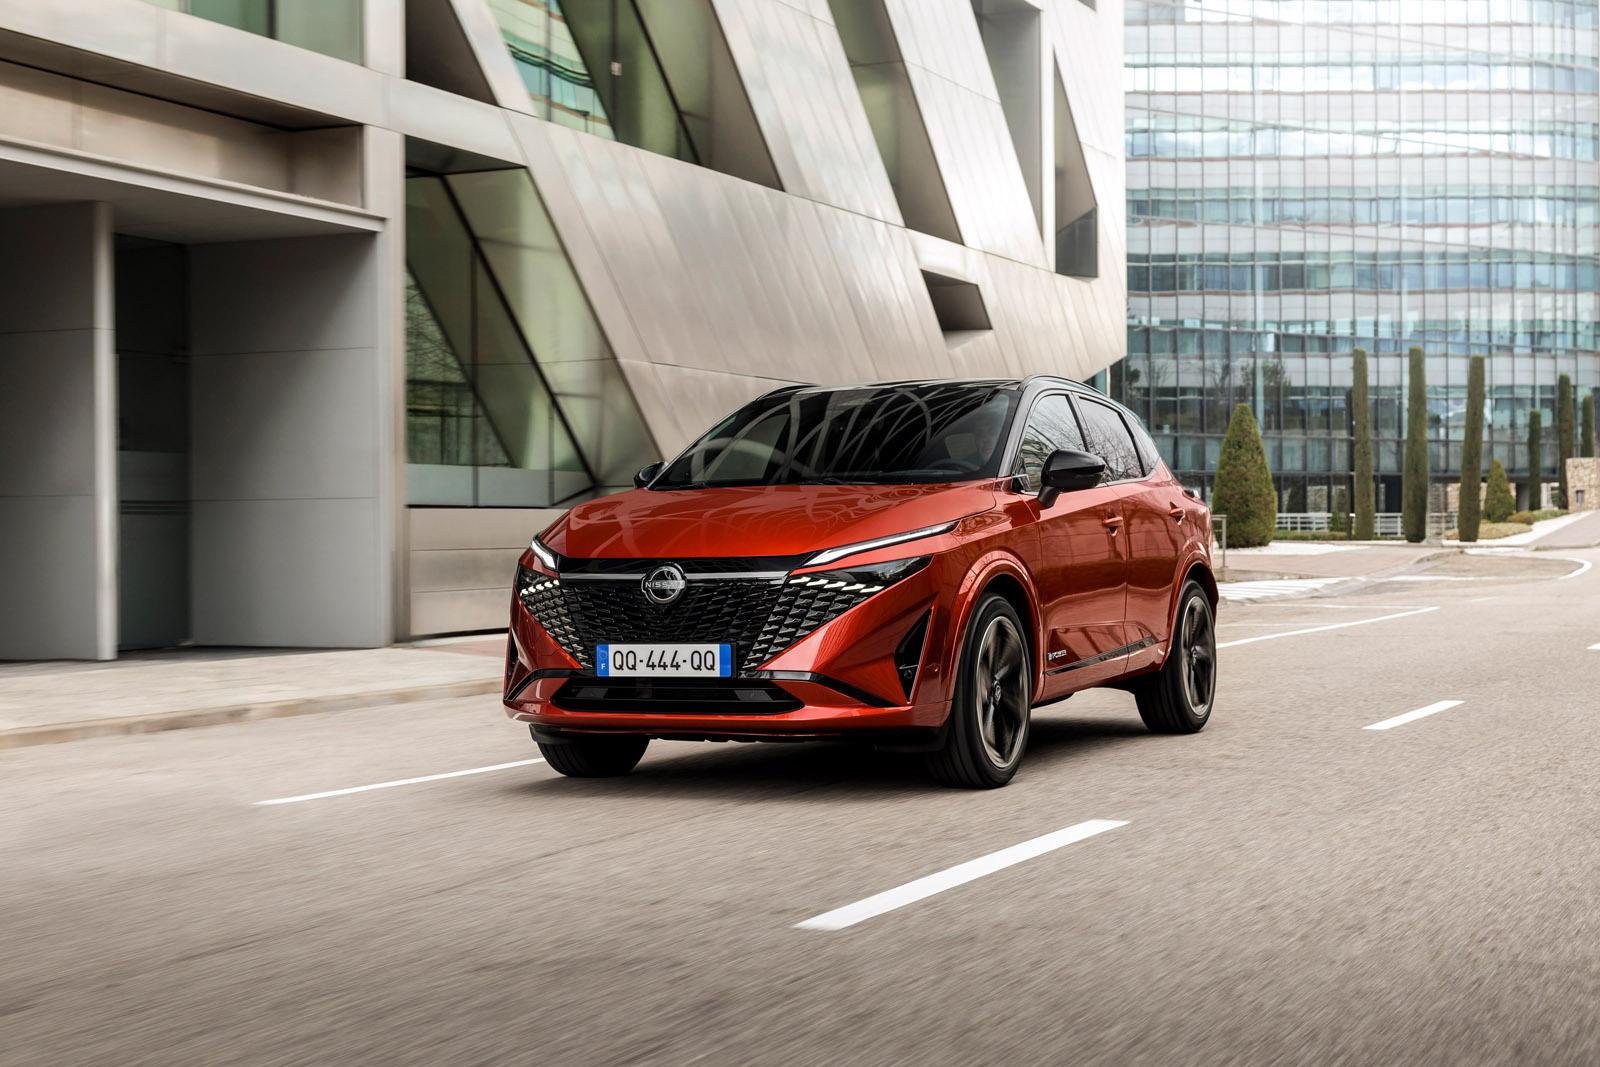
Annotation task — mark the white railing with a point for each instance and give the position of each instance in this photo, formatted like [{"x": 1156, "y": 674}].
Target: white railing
[{"x": 1388, "y": 524}]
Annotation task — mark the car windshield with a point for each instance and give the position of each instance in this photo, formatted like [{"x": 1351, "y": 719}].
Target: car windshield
[{"x": 869, "y": 435}]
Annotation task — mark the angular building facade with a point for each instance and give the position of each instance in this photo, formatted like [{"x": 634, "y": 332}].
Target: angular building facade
[
  {"x": 312, "y": 311},
  {"x": 1309, "y": 178}
]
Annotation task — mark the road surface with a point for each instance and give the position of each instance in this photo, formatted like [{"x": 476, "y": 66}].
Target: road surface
[{"x": 1295, "y": 884}]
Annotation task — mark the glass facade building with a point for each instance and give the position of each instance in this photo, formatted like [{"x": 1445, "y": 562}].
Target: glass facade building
[{"x": 1306, "y": 178}]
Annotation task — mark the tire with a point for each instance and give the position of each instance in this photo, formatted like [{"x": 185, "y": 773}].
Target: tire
[
  {"x": 1179, "y": 697},
  {"x": 986, "y": 732},
  {"x": 595, "y": 757}
]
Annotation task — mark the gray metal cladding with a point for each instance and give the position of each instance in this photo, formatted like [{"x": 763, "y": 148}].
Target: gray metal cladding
[{"x": 711, "y": 289}]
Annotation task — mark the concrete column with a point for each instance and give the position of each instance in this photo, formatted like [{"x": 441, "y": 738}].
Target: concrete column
[
  {"x": 291, "y": 542},
  {"x": 58, "y": 492}
]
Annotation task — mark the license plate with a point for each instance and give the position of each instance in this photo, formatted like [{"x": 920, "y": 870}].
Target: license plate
[{"x": 664, "y": 661}]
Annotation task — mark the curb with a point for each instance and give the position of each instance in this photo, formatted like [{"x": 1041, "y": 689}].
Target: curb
[{"x": 184, "y": 718}]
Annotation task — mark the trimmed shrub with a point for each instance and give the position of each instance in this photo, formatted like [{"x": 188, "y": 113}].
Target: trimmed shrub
[
  {"x": 1530, "y": 517},
  {"x": 1587, "y": 442},
  {"x": 1498, "y": 503},
  {"x": 1243, "y": 485},
  {"x": 1470, "y": 513},
  {"x": 1566, "y": 418},
  {"x": 1366, "y": 521},
  {"x": 1535, "y": 459},
  {"x": 1414, "y": 476},
  {"x": 1339, "y": 521}
]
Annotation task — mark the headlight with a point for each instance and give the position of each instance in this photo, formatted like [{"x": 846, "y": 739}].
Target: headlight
[
  {"x": 828, "y": 555},
  {"x": 546, "y": 558},
  {"x": 862, "y": 580}
]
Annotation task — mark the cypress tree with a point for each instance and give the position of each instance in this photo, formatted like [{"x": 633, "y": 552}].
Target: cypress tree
[
  {"x": 1566, "y": 417},
  {"x": 1243, "y": 487},
  {"x": 1588, "y": 424},
  {"x": 1498, "y": 503},
  {"x": 1535, "y": 457},
  {"x": 1470, "y": 514},
  {"x": 1366, "y": 521},
  {"x": 1414, "y": 476},
  {"x": 1339, "y": 521}
]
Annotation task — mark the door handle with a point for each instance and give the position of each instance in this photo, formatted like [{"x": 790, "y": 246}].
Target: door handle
[
  {"x": 1177, "y": 513},
  {"x": 1112, "y": 523}
]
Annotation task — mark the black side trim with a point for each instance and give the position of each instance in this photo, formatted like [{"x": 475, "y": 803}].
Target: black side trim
[
  {"x": 534, "y": 676},
  {"x": 837, "y": 686},
  {"x": 1104, "y": 657}
]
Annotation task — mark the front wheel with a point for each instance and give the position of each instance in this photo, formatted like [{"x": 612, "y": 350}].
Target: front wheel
[
  {"x": 987, "y": 730},
  {"x": 594, "y": 757},
  {"x": 1177, "y": 699}
]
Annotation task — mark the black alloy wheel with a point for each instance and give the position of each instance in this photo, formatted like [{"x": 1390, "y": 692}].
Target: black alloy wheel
[
  {"x": 987, "y": 730},
  {"x": 1179, "y": 697}
]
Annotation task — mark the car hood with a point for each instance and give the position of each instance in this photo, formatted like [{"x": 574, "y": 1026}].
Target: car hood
[{"x": 771, "y": 520}]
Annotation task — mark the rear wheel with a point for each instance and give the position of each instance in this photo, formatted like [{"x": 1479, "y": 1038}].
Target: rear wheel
[
  {"x": 1177, "y": 699},
  {"x": 595, "y": 757},
  {"x": 987, "y": 730}
]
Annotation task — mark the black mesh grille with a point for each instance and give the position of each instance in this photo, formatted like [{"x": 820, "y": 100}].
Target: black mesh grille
[
  {"x": 673, "y": 696},
  {"x": 761, "y": 618},
  {"x": 806, "y": 604}
]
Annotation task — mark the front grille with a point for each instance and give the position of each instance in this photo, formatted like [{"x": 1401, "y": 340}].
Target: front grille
[
  {"x": 676, "y": 696},
  {"x": 761, "y": 617},
  {"x": 806, "y": 604}
]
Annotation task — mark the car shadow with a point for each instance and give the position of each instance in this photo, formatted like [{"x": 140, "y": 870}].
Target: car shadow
[{"x": 819, "y": 769}]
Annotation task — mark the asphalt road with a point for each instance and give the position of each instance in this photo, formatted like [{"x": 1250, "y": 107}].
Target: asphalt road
[{"x": 1287, "y": 886}]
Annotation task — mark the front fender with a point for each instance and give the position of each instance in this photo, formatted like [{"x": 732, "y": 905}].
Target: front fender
[{"x": 998, "y": 565}]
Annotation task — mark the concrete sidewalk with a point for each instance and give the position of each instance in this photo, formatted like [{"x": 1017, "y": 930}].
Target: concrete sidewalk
[
  {"x": 41, "y": 703},
  {"x": 1323, "y": 559},
  {"x": 1578, "y": 530}
]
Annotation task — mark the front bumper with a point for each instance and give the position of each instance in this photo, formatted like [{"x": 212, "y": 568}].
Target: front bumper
[{"x": 841, "y": 679}]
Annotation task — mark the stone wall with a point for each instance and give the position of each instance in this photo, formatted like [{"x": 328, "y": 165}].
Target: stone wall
[{"x": 1583, "y": 476}]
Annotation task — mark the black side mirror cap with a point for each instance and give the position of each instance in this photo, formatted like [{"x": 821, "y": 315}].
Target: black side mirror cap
[
  {"x": 1067, "y": 471},
  {"x": 646, "y": 475}
]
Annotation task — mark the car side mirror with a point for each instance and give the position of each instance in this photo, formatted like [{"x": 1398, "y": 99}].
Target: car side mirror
[
  {"x": 646, "y": 475},
  {"x": 1067, "y": 471}
]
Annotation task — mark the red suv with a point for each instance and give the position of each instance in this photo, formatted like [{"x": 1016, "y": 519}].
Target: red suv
[{"x": 914, "y": 564}]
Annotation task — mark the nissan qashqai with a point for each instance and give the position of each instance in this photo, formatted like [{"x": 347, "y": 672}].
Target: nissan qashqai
[{"x": 916, "y": 565}]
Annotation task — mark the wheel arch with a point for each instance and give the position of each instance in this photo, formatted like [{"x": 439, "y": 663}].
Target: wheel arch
[
  {"x": 1005, "y": 577},
  {"x": 1197, "y": 570}
]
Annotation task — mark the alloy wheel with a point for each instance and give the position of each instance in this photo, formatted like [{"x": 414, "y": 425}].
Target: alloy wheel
[
  {"x": 1198, "y": 646},
  {"x": 1000, "y": 686}
]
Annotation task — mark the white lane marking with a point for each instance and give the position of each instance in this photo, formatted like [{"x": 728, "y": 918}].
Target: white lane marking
[
  {"x": 1587, "y": 563},
  {"x": 1320, "y": 629},
  {"x": 1412, "y": 716},
  {"x": 960, "y": 874},
  {"x": 1594, "y": 648},
  {"x": 402, "y": 781}
]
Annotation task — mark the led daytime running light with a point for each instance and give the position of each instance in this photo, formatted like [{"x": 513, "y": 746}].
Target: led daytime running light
[{"x": 828, "y": 555}]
